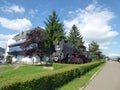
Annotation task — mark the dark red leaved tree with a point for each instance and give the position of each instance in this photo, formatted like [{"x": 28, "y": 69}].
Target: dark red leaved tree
[{"x": 34, "y": 43}]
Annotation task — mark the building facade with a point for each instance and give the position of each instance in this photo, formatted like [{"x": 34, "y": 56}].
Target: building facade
[{"x": 14, "y": 49}]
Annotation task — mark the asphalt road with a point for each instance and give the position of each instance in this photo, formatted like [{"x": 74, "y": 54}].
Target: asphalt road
[{"x": 107, "y": 79}]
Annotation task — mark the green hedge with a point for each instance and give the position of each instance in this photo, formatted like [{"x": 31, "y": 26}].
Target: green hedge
[{"x": 48, "y": 81}]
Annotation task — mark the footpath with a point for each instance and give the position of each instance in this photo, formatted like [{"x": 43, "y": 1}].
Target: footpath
[{"x": 107, "y": 79}]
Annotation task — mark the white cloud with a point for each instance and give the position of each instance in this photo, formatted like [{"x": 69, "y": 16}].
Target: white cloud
[
  {"x": 5, "y": 37},
  {"x": 17, "y": 8},
  {"x": 105, "y": 45},
  {"x": 33, "y": 12},
  {"x": 3, "y": 40},
  {"x": 13, "y": 8},
  {"x": 114, "y": 55},
  {"x": 93, "y": 22},
  {"x": 3, "y": 44},
  {"x": 15, "y": 24}
]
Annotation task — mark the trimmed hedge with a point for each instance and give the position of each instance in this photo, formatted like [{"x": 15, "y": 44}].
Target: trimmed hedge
[{"x": 48, "y": 81}]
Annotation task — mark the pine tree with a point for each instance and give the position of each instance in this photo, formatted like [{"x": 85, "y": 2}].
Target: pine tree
[
  {"x": 54, "y": 31},
  {"x": 95, "y": 51},
  {"x": 75, "y": 38}
]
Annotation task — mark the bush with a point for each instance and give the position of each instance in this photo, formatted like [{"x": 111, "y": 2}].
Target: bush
[
  {"x": 48, "y": 81},
  {"x": 9, "y": 59}
]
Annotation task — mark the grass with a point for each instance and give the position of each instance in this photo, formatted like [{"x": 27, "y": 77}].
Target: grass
[
  {"x": 22, "y": 71},
  {"x": 80, "y": 82},
  {"x": 5, "y": 68},
  {"x": 60, "y": 66},
  {"x": 10, "y": 71}
]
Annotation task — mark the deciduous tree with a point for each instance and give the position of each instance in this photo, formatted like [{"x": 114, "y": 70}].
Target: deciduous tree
[{"x": 34, "y": 43}]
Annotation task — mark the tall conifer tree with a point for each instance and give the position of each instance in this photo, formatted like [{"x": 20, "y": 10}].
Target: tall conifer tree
[
  {"x": 95, "y": 51},
  {"x": 75, "y": 38},
  {"x": 54, "y": 31}
]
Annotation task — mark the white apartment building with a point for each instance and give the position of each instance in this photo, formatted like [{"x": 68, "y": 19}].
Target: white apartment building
[{"x": 13, "y": 48}]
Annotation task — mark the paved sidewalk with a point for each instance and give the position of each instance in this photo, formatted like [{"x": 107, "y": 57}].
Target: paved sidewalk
[{"x": 107, "y": 79}]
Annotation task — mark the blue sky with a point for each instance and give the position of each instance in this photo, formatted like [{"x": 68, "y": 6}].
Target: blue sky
[{"x": 97, "y": 20}]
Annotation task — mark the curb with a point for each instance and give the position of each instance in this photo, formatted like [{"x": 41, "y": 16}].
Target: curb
[{"x": 82, "y": 88}]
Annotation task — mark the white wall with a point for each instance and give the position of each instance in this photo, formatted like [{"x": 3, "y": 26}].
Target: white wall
[
  {"x": 27, "y": 59},
  {"x": 21, "y": 58}
]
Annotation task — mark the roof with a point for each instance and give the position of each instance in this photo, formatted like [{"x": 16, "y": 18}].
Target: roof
[
  {"x": 16, "y": 43},
  {"x": 22, "y": 35}
]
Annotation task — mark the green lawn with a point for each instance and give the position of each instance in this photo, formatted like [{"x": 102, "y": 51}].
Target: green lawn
[
  {"x": 11, "y": 71},
  {"x": 8, "y": 72},
  {"x": 80, "y": 82},
  {"x": 5, "y": 68}
]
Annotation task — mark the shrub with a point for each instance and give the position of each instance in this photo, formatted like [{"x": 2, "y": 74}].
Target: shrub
[
  {"x": 48, "y": 81},
  {"x": 9, "y": 59}
]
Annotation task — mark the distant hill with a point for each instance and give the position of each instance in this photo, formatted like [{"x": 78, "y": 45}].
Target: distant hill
[{"x": 2, "y": 50}]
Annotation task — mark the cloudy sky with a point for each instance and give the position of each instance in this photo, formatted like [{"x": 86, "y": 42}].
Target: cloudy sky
[{"x": 97, "y": 20}]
